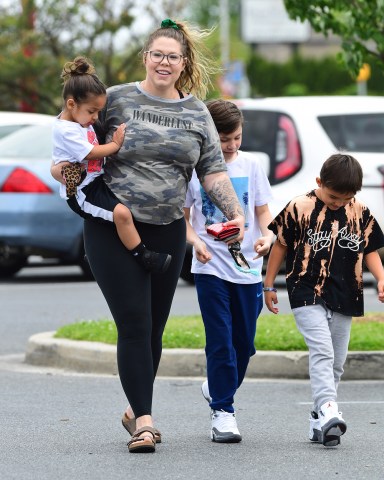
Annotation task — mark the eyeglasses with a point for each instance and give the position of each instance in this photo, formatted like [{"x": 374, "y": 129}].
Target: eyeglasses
[{"x": 157, "y": 57}]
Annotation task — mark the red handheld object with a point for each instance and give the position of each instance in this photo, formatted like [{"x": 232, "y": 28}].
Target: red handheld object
[{"x": 222, "y": 232}]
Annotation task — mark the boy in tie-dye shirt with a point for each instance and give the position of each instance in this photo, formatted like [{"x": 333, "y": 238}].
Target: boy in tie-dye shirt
[{"x": 325, "y": 235}]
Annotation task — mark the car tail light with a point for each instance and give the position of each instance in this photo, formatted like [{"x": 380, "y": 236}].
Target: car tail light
[
  {"x": 22, "y": 181},
  {"x": 288, "y": 151}
]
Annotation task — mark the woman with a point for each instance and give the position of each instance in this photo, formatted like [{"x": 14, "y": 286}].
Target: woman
[{"x": 169, "y": 132}]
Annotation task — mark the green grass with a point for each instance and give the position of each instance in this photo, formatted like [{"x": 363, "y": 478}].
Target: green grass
[{"x": 274, "y": 332}]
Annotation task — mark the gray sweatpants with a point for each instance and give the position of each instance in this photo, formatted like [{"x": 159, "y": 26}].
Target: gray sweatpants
[{"x": 326, "y": 334}]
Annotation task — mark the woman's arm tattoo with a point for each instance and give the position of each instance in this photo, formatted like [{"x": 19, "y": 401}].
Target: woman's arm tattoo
[{"x": 223, "y": 195}]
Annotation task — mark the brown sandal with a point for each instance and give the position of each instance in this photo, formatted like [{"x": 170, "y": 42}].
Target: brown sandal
[
  {"x": 142, "y": 444},
  {"x": 130, "y": 425}
]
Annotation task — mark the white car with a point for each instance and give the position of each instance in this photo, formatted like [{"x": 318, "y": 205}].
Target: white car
[
  {"x": 12, "y": 121},
  {"x": 295, "y": 135}
]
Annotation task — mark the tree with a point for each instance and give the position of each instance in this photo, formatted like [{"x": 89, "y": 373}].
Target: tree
[
  {"x": 110, "y": 33},
  {"x": 207, "y": 14},
  {"x": 359, "y": 24}
]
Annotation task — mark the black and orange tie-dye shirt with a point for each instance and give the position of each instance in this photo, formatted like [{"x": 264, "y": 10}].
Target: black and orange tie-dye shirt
[{"x": 325, "y": 252}]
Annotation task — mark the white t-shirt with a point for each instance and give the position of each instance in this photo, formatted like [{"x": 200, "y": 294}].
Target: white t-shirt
[
  {"x": 252, "y": 188},
  {"x": 72, "y": 143}
]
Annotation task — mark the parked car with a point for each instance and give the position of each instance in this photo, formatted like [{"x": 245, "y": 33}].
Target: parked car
[
  {"x": 293, "y": 136},
  {"x": 12, "y": 121},
  {"x": 297, "y": 134},
  {"x": 34, "y": 220}
]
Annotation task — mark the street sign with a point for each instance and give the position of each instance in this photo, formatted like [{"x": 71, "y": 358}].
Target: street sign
[
  {"x": 267, "y": 21},
  {"x": 364, "y": 73},
  {"x": 234, "y": 82}
]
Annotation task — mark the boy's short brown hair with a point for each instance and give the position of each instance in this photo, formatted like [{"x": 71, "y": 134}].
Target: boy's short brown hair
[
  {"x": 342, "y": 173},
  {"x": 226, "y": 115}
]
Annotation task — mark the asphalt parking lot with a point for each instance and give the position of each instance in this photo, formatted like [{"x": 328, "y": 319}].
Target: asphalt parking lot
[{"x": 61, "y": 425}]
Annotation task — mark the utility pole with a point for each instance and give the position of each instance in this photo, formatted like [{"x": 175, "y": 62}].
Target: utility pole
[
  {"x": 28, "y": 101},
  {"x": 224, "y": 33},
  {"x": 362, "y": 78}
]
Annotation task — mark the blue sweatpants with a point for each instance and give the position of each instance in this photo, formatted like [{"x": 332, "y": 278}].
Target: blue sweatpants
[{"x": 229, "y": 312}]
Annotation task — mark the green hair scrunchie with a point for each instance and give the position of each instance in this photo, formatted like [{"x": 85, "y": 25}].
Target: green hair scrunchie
[{"x": 168, "y": 23}]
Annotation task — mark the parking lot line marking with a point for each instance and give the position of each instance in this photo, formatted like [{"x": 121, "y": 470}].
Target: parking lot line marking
[{"x": 378, "y": 402}]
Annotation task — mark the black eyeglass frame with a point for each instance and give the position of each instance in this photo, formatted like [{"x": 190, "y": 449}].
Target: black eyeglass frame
[{"x": 180, "y": 57}]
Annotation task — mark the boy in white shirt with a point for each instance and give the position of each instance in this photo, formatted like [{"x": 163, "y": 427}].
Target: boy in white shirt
[{"x": 230, "y": 297}]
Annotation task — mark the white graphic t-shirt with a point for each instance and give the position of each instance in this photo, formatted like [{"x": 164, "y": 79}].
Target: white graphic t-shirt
[
  {"x": 72, "y": 143},
  {"x": 252, "y": 188}
]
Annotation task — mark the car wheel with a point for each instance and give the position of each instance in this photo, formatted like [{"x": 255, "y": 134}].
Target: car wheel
[
  {"x": 85, "y": 267},
  {"x": 185, "y": 273},
  {"x": 87, "y": 272},
  {"x": 11, "y": 261}
]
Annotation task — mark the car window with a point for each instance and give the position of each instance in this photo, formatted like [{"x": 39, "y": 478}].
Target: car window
[
  {"x": 259, "y": 131},
  {"x": 357, "y": 133},
  {"x": 28, "y": 142},
  {"x": 7, "y": 129},
  {"x": 275, "y": 134}
]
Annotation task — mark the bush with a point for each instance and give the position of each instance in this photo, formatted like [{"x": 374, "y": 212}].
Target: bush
[{"x": 300, "y": 76}]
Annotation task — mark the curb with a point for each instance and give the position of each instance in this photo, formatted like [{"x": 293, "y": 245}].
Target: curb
[{"x": 94, "y": 357}]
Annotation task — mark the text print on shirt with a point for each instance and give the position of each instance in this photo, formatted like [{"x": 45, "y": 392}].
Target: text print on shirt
[
  {"x": 162, "y": 120},
  {"x": 322, "y": 239}
]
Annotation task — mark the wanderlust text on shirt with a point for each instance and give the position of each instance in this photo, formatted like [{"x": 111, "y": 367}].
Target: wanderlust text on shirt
[
  {"x": 321, "y": 239},
  {"x": 162, "y": 120}
]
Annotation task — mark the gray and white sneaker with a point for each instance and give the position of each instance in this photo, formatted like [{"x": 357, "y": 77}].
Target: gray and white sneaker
[
  {"x": 332, "y": 424},
  {"x": 224, "y": 427},
  {"x": 205, "y": 391},
  {"x": 314, "y": 428}
]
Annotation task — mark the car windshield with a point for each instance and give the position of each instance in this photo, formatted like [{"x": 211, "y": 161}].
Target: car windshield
[
  {"x": 7, "y": 129},
  {"x": 28, "y": 142},
  {"x": 356, "y": 133},
  {"x": 259, "y": 130}
]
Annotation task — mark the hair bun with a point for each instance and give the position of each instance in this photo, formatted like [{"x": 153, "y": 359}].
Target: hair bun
[{"x": 79, "y": 66}]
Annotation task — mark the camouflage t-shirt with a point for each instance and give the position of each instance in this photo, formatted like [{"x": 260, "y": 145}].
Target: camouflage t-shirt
[
  {"x": 164, "y": 141},
  {"x": 325, "y": 252}
]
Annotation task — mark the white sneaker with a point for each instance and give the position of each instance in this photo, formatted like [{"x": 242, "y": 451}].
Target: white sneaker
[
  {"x": 314, "y": 428},
  {"x": 224, "y": 427},
  {"x": 205, "y": 391},
  {"x": 332, "y": 424}
]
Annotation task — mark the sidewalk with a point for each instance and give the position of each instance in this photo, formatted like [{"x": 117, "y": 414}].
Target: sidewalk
[{"x": 92, "y": 357}]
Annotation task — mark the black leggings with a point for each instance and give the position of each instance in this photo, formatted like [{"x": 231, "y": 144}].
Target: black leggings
[{"x": 139, "y": 301}]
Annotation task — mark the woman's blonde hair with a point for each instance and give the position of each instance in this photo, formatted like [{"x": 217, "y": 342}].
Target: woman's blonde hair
[{"x": 199, "y": 63}]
